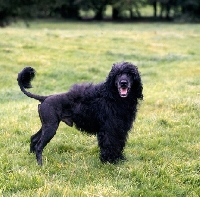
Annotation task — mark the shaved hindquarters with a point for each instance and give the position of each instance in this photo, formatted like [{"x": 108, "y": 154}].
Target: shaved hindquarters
[{"x": 50, "y": 122}]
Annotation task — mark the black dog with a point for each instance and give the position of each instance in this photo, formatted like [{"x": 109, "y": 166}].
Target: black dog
[{"x": 107, "y": 109}]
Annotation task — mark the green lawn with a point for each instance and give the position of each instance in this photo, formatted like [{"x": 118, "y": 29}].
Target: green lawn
[{"x": 163, "y": 149}]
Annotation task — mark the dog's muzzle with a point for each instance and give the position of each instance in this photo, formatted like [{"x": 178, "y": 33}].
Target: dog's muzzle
[{"x": 123, "y": 88}]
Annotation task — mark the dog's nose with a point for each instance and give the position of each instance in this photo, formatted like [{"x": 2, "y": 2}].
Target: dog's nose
[{"x": 123, "y": 83}]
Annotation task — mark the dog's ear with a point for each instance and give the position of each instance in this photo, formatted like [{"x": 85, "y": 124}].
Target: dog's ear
[
  {"x": 139, "y": 90},
  {"x": 110, "y": 82},
  {"x": 138, "y": 86}
]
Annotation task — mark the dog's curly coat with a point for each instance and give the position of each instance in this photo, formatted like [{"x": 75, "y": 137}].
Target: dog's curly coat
[{"x": 106, "y": 109}]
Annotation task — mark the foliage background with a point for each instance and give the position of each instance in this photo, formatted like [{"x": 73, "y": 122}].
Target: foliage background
[{"x": 170, "y": 10}]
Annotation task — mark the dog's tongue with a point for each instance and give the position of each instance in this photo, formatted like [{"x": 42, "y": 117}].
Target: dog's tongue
[{"x": 123, "y": 91}]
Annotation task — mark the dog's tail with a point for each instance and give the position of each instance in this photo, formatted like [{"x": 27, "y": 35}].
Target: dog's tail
[{"x": 24, "y": 81}]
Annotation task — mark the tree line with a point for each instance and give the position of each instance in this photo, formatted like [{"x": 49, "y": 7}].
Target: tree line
[{"x": 71, "y": 9}]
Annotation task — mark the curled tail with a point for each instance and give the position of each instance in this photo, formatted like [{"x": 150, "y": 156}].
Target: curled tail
[{"x": 24, "y": 81}]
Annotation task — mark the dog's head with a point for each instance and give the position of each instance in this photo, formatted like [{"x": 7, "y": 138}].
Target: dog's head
[{"x": 124, "y": 80}]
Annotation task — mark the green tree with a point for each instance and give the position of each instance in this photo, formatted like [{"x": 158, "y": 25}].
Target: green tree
[
  {"x": 190, "y": 8},
  {"x": 132, "y": 6},
  {"x": 98, "y": 6},
  {"x": 5, "y": 12},
  {"x": 12, "y": 8},
  {"x": 165, "y": 6}
]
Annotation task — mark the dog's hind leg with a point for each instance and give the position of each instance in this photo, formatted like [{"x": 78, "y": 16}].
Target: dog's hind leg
[
  {"x": 50, "y": 122},
  {"x": 48, "y": 132},
  {"x": 36, "y": 137},
  {"x": 34, "y": 140}
]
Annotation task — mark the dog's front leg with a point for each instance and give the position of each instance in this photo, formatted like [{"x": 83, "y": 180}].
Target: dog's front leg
[{"x": 111, "y": 147}]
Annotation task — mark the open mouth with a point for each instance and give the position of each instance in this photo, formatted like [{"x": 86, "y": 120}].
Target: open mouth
[
  {"x": 123, "y": 84},
  {"x": 123, "y": 91}
]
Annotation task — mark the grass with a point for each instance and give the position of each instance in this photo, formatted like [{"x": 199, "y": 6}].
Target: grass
[{"x": 163, "y": 149}]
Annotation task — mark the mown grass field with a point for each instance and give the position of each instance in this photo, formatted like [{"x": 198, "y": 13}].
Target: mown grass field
[{"x": 163, "y": 149}]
